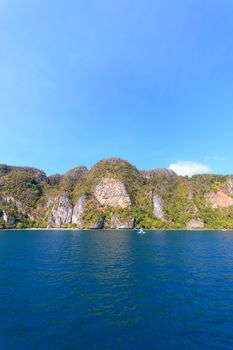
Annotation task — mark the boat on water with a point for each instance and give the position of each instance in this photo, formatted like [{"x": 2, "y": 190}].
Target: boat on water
[{"x": 141, "y": 231}]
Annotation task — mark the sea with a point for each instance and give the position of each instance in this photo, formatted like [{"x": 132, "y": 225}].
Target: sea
[{"x": 108, "y": 289}]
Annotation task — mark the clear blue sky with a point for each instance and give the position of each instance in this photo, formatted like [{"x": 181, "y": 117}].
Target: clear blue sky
[{"x": 150, "y": 81}]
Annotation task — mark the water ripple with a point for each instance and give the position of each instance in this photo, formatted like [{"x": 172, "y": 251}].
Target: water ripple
[{"x": 116, "y": 290}]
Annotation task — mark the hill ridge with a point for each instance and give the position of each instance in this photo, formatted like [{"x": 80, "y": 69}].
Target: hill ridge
[{"x": 113, "y": 193}]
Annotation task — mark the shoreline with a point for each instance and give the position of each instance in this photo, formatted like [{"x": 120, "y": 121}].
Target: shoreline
[{"x": 114, "y": 229}]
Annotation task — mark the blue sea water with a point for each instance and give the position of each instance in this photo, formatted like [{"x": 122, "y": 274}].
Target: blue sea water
[{"x": 116, "y": 290}]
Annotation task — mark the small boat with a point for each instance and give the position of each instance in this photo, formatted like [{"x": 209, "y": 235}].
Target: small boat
[{"x": 141, "y": 231}]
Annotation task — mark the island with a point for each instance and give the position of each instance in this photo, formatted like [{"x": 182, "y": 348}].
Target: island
[{"x": 114, "y": 194}]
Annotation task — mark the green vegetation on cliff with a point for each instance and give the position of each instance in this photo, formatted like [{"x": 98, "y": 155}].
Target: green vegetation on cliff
[
  {"x": 111, "y": 168},
  {"x": 126, "y": 198}
]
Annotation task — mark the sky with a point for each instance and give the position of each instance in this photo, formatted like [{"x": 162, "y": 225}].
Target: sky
[{"x": 148, "y": 81}]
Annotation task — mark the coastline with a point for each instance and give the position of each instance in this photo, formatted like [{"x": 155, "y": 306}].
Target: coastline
[{"x": 114, "y": 229}]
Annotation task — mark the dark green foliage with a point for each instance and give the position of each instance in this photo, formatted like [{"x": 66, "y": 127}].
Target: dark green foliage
[
  {"x": 72, "y": 178},
  {"x": 2, "y": 224},
  {"x": 14, "y": 217},
  {"x": 23, "y": 186},
  {"x": 92, "y": 213},
  {"x": 145, "y": 219}
]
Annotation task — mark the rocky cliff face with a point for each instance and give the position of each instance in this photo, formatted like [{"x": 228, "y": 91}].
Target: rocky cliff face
[
  {"x": 195, "y": 224},
  {"x": 167, "y": 173},
  {"x": 229, "y": 184},
  {"x": 112, "y": 192},
  {"x": 10, "y": 199},
  {"x": 8, "y": 218},
  {"x": 10, "y": 209},
  {"x": 99, "y": 223},
  {"x": 158, "y": 206},
  {"x": 78, "y": 211},
  {"x": 115, "y": 222},
  {"x": 220, "y": 200},
  {"x": 61, "y": 212}
]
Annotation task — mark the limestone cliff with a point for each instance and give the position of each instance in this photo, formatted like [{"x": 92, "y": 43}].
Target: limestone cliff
[
  {"x": 113, "y": 194},
  {"x": 61, "y": 212},
  {"x": 195, "y": 224},
  {"x": 167, "y": 173},
  {"x": 229, "y": 184},
  {"x": 220, "y": 199},
  {"x": 158, "y": 206},
  {"x": 116, "y": 222},
  {"x": 78, "y": 211}
]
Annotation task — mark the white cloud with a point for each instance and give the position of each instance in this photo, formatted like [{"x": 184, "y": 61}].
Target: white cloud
[{"x": 189, "y": 168}]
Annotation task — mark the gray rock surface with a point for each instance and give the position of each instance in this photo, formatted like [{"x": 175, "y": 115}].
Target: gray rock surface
[
  {"x": 112, "y": 192},
  {"x": 9, "y": 219},
  {"x": 220, "y": 199},
  {"x": 158, "y": 206},
  {"x": 78, "y": 211},
  {"x": 190, "y": 196},
  {"x": 61, "y": 212},
  {"x": 117, "y": 223},
  {"x": 164, "y": 172},
  {"x": 229, "y": 184},
  {"x": 99, "y": 223},
  {"x": 195, "y": 224},
  {"x": 8, "y": 199}
]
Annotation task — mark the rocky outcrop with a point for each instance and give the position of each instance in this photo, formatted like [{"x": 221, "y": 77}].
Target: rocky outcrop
[
  {"x": 61, "y": 212},
  {"x": 112, "y": 192},
  {"x": 98, "y": 224},
  {"x": 8, "y": 218},
  {"x": 190, "y": 196},
  {"x": 220, "y": 200},
  {"x": 78, "y": 211},
  {"x": 164, "y": 172},
  {"x": 38, "y": 175},
  {"x": 77, "y": 172},
  {"x": 10, "y": 199},
  {"x": 229, "y": 184},
  {"x": 158, "y": 206},
  {"x": 195, "y": 224},
  {"x": 54, "y": 179},
  {"x": 115, "y": 222}
]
